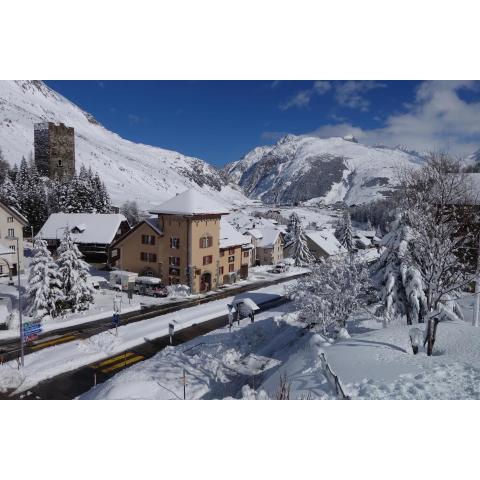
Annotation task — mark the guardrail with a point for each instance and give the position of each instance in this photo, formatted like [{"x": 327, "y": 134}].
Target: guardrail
[{"x": 333, "y": 379}]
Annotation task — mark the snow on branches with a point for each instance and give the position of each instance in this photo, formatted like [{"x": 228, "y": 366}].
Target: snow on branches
[
  {"x": 73, "y": 274},
  {"x": 297, "y": 241},
  {"x": 344, "y": 232},
  {"x": 331, "y": 293},
  {"x": 44, "y": 291}
]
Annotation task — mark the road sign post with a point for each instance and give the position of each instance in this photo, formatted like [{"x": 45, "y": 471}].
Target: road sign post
[
  {"x": 117, "y": 309},
  {"x": 171, "y": 330},
  {"x": 184, "y": 385},
  {"x": 131, "y": 286}
]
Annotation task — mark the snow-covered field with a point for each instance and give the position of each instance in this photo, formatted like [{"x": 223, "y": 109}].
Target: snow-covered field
[{"x": 52, "y": 361}]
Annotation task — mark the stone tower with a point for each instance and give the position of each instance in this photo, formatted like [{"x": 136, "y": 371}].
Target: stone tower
[{"x": 54, "y": 150}]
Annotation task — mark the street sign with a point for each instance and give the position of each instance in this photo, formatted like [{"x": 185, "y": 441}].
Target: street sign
[
  {"x": 116, "y": 319},
  {"x": 30, "y": 330}
]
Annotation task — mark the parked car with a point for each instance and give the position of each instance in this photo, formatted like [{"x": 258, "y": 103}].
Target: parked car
[
  {"x": 151, "y": 286},
  {"x": 280, "y": 268}
]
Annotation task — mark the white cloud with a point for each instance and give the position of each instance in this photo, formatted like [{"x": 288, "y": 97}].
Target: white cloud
[
  {"x": 347, "y": 94},
  {"x": 352, "y": 93},
  {"x": 438, "y": 119}
]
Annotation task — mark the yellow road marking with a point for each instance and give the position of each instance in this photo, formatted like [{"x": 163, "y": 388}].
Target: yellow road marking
[
  {"x": 129, "y": 361},
  {"x": 115, "y": 359},
  {"x": 56, "y": 341}
]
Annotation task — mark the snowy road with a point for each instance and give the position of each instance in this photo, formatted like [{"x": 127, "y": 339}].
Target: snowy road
[{"x": 53, "y": 361}]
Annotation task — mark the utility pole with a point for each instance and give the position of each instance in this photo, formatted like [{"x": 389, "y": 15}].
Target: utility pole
[{"x": 184, "y": 385}]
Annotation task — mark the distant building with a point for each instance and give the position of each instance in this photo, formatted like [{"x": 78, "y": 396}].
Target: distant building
[
  {"x": 269, "y": 248},
  {"x": 187, "y": 243},
  {"x": 93, "y": 233},
  {"x": 321, "y": 244},
  {"x": 11, "y": 226},
  {"x": 54, "y": 150}
]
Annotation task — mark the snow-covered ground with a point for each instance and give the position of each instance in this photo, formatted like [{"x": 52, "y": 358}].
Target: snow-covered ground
[
  {"x": 249, "y": 362},
  {"x": 55, "y": 360},
  {"x": 224, "y": 364}
]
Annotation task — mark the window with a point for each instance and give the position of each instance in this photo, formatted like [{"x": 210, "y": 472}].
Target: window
[
  {"x": 173, "y": 281},
  {"x": 220, "y": 271},
  {"x": 206, "y": 241},
  {"x": 207, "y": 260},
  {"x": 174, "y": 261},
  {"x": 231, "y": 259},
  {"x": 174, "y": 242},
  {"x": 59, "y": 162},
  {"x": 245, "y": 254},
  {"x": 174, "y": 271},
  {"x": 12, "y": 247},
  {"x": 231, "y": 251},
  {"x": 148, "y": 239},
  {"x": 11, "y": 232},
  {"x": 231, "y": 267},
  {"x": 222, "y": 253},
  {"x": 148, "y": 257},
  {"x": 10, "y": 219}
]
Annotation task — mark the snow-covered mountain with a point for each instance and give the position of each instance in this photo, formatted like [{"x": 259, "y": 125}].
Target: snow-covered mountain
[
  {"x": 311, "y": 169},
  {"x": 131, "y": 171}
]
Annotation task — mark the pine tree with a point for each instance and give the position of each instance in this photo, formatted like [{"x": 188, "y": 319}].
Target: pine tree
[
  {"x": 293, "y": 221},
  {"x": 44, "y": 293},
  {"x": 344, "y": 232},
  {"x": 9, "y": 194},
  {"x": 73, "y": 274},
  {"x": 300, "y": 252}
]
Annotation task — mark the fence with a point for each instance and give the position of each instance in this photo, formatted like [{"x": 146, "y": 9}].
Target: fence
[{"x": 333, "y": 379}]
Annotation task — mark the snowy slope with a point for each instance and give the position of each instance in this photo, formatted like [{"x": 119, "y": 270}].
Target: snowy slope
[
  {"x": 302, "y": 168},
  {"x": 131, "y": 171}
]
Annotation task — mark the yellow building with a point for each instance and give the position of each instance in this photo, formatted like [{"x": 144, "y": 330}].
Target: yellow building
[{"x": 182, "y": 244}]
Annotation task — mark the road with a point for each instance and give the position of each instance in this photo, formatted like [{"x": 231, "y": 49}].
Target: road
[
  {"x": 71, "y": 384},
  {"x": 10, "y": 350}
]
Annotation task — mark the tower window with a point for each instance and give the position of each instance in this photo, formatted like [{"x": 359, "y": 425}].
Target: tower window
[{"x": 59, "y": 162}]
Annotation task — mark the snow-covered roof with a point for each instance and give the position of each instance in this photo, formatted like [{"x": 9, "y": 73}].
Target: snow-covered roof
[
  {"x": 15, "y": 212},
  {"x": 327, "y": 241},
  {"x": 87, "y": 227},
  {"x": 269, "y": 237},
  {"x": 191, "y": 202},
  {"x": 255, "y": 232},
  {"x": 230, "y": 237}
]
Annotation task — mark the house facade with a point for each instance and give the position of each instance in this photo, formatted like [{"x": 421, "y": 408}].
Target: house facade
[
  {"x": 269, "y": 249},
  {"x": 11, "y": 227},
  {"x": 184, "y": 244}
]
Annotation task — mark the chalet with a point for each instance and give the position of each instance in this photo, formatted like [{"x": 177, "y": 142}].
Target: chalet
[
  {"x": 12, "y": 223},
  {"x": 322, "y": 244},
  {"x": 269, "y": 248},
  {"x": 93, "y": 233},
  {"x": 187, "y": 242}
]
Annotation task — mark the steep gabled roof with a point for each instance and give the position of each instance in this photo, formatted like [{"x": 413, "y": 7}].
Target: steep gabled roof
[
  {"x": 190, "y": 202},
  {"x": 327, "y": 241},
  {"x": 151, "y": 222},
  {"x": 269, "y": 237},
  {"x": 13, "y": 211},
  {"x": 230, "y": 237}
]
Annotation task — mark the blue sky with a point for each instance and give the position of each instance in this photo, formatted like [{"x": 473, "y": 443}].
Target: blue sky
[{"x": 220, "y": 121}]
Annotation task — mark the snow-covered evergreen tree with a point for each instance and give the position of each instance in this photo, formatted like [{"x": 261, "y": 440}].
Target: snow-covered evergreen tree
[
  {"x": 331, "y": 293},
  {"x": 73, "y": 275},
  {"x": 44, "y": 293},
  {"x": 293, "y": 221},
  {"x": 299, "y": 247},
  {"x": 402, "y": 291},
  {"x": 344, "y": 231},
  {"x": 130, "y": 210},
  {"x": 9, "y": 194}
]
